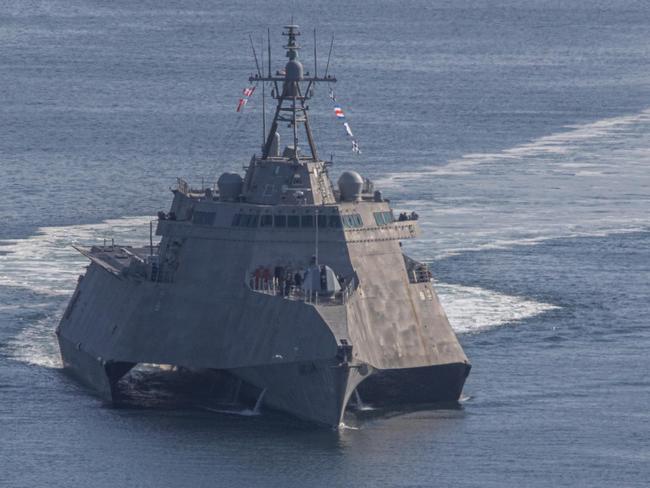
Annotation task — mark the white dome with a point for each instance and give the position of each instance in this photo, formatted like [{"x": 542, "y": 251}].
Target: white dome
[
  {"x": 230, "y": 186},
  {"x": 350, "y": 186}
]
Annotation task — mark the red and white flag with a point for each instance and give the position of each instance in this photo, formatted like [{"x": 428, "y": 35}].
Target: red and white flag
[
  {"x": 241, "y": 104},
  {"x": 248, "y": 92}
]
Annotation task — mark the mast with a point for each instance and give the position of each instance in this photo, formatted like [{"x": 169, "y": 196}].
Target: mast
[
  {"x": 263, "y": 98},
  {"x": 291, "y": 97}
]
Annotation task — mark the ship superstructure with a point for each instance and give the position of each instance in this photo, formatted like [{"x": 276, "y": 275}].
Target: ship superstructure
[{"x": 277, "y": 281}]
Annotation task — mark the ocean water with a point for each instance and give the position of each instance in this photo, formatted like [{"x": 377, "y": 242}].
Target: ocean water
[{"x": 518, "y": 130}]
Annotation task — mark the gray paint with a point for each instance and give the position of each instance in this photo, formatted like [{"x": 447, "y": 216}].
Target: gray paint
[{"x": 195, "y": 307}]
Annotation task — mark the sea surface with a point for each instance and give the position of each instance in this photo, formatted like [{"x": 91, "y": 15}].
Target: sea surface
[{"x": 519, "y": 131}]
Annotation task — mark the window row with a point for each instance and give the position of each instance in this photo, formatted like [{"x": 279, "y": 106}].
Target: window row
[
  {"x": 245, "y": 220},
  {"x": 281, "y": 221},
  {"x": 203, "y": 218},
  {"x": 292, "y": 221}
]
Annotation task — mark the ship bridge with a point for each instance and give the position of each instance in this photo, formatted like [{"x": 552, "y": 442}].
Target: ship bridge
[{"x": 282, "y": 181}]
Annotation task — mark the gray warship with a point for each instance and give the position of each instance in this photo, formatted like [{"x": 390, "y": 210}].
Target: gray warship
[{"x": 283, "y": 287}]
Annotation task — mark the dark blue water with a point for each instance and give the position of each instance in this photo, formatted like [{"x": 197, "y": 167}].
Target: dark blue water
[{"x": 520, "y": 131}]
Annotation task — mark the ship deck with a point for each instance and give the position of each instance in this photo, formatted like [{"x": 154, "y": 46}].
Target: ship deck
[{"x": 115, "y": 259}]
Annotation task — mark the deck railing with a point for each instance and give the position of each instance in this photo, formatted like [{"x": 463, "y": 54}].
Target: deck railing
[{"x": 296, "y": 293}]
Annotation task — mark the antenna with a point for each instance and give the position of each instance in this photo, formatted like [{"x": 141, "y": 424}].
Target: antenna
[
  {"x": 316, "y": 243},
  {"x": 268, "y": 41},
  {"x": 329, "y": 55},
  {"x": 263, "y": 97},
  {"x": 315, "y": 57},
  {"x": 291, "y": 96},
  {"x": 151, "y": 238},
  {"x": 257, "y": 65}
]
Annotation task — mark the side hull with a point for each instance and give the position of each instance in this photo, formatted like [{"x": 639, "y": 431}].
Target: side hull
[
  {"x": 100, "y": 375},
  {"x": 411, "y": 386},
  {"x": 317, "y": 391}
]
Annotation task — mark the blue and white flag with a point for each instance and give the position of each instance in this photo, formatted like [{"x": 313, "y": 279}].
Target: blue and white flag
[{"x": 338, "y": 112}]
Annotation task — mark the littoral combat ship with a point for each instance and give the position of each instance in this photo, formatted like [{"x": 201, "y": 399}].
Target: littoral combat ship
[{"x": 276, "y": 282}]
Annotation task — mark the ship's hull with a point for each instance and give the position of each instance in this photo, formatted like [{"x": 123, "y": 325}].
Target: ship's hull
[
  {"x": 86, "y": 368},
  {"x": 315, "y": 391},
  {"x": 297, "y": 288},
  {"x": 415, "y": 386},
  {"x": 388, "y": 336}
]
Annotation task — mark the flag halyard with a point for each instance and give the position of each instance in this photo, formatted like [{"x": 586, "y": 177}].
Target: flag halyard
[
  {"x": 338, "y": 112},
  {"x": 247, "y": 93}
]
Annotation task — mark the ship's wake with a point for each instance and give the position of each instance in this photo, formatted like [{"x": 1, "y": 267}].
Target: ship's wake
[
  {"x": 586, "y": 180},
  {"x": 40, "y": 272},
  {"x": 38, "y": 276},
  {"x": 472, "y": 309},
  {"x": 47, "y": 264}
]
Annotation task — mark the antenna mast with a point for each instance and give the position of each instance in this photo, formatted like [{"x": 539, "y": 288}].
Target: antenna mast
[
  {"x": 329, "y": 55},
  {"x": 268, "y": 42},
  {"x": 263, "y": 97},
  {"x": 315, "y": 56},
  {"x": 290, "y": 93},
  {"x": 316, "y": 241}
]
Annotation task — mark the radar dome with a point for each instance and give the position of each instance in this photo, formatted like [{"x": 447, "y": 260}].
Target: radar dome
[
  {"x": 230, "y": 186},
  {"x": 350, "y": 186},
  {"x": 293, "y": 70}
]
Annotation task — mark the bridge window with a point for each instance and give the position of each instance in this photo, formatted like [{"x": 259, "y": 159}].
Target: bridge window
[
  {"x": 293, "y": 221},
  {"x": 203, "y": 218},
  {"x": 280, "y": 220},
  {"x": 266, "y": 221},
  {"x": 248, "y": 220},
  {"x": 352, "y": 221},
  {"x": 245, "y": 220},
  {"x": 307, "y": 221},
  {"x": 384, "y": 218},
  {"x": 335, "y": 221}
]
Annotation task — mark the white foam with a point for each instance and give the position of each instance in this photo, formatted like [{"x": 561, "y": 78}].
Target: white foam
[
  {"x": 473, "y": 309},
  {"x": 532, "y": 241},
  {"x": 244, "y": 412},
  {"x": 562, "y": 143},
  {"x": 46, "y": 263},
  {"x": 587, "y": 180},
  {"x": 36, "y": 344}
]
